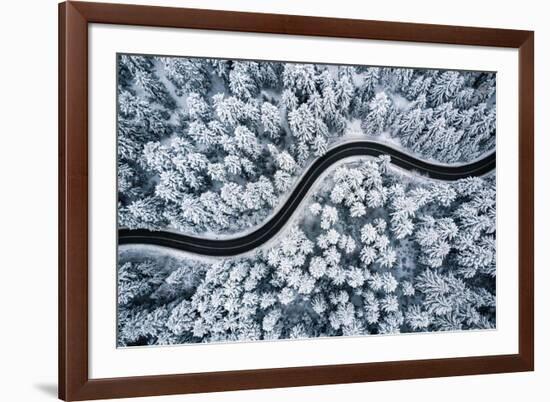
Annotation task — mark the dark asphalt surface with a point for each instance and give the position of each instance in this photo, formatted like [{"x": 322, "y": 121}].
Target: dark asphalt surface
[{"x": 270, "y": 228}]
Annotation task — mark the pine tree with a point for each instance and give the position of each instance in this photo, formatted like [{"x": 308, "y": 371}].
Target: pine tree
[
  {"x": 266, "y": 191},
  {"x": 283, "y": 180},
  {"x": 286, "y": 162},
  {"x": 391, "y": 324},
  {"x": 396, "y": 79},
  {"x": 191, "y": 210},
  {"x": 411, "y": 124},
  {"x": 136, "y": 280},
  {"x": 269, "y": 73},
  {"x": 202, "y": 134},
  {"x": 251, "y": 197},
  {"x": 389, "y": 304},
  {"x": 143, "y": 213},
  {"x": 241, "y": 82},
  {"x": 371, "y": 79},
  {"x": 228, "y": 109},
  {"x": 152, "y": 86},
  {"x": 357, "y": 210},
  {"x": 198, "y": 107},
  {"x": 387, "y": 257},
  {"x": 344, "y": 93},
  {"x": 126, "y": 178},
  {"x": 402, "y": 227},
  {"x": 302, "y": 123},
  {"x": 330, "y": 104},
  {"x": 329, "y": 216},
  {"x": 407, "y": 288},
  {"x": 289, "y": 100},
  {"x": 416, "y": 318},
  {"x": 221, "y": 68},
  {"x": 479, "y": 257},
  {"x": 368, "y": 255},
  {"x": 319, "y": 143},
  {"x": 171, "y": 186},
  {"x": 378, "y": 117},
  {"x": 271, "y": 119},
  {"x": 368, "y": 234},
  {"x": 464, "y": 99},
  {"x": 445, "y": 87},
  {"x": 181, "y": 318},
  {"x": 316, "y": 105},
  {"x": 246, "y": 141},
  {"x": 315, "y": 208},
  {"x": 419, "y": 86},
  {"x": 371, "y": 307},
  {"x": 230, "y": 193},
  {"x": 299, "y": 78},
  {"x": 216, "y": 171},
  {"x": 187, "y": 74},
  {"x": 232, "y": 164}
]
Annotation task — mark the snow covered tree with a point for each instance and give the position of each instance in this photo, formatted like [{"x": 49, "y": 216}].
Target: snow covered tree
[
  {"x": 137, "y": 280},
  {"x": 230, "y": 193},
  {"x": 246, "y": 141},
  {"x": 411, "y": 124},
  {"x": 202, "y": 134},
  {"x": 419, "y": 86},
  {"x": 289, "y": 100},
  {"x": 416, "y": 318},
  {"x": 142, "y": 213},
  {"x": 286, "y": 162},
  {"x": 187, "y": 74},
  {"x": 233, "y": 111},
  {"x": 445, "y": 87},
  {"x": 396, "y": 79},
  {"x": 302, "y": 123},
  {"x": 241, "y": 82},
  {"x": 328, "y": 217},
  {"x": 299, "y": 78},
  {"x": 379, "y": 114},
  {"x": 271, "y": 119},
  {"x": 344, "y": 92},
  {"x": 282, "y": 180},
  {"x": 198, "y": 107},
  {"x": 371, "y": 79},
  {"x": 387, "y": 257},
  {"x": 232, "y": 164}
]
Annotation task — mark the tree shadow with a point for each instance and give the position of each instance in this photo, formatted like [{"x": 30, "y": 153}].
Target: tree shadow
[{"x": 47, "y": 388}]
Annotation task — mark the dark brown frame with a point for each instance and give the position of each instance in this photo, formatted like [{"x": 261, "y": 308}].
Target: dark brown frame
[{"x": 74, "y": 383}]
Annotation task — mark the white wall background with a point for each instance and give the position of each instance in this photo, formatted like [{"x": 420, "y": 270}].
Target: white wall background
[{"x": 28, "y": 199}]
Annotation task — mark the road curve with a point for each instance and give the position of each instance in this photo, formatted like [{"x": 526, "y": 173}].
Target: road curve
[{"x": 248, "y": 242}]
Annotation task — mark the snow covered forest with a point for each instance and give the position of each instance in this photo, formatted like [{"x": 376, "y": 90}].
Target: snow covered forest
[{"x": 210, "y": 147}]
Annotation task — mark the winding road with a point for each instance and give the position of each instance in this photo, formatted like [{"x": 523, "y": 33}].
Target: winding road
[{"x": 250, "y": 241}]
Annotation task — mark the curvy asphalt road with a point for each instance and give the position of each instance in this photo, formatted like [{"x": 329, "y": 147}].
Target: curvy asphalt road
[{"x": 239, "y": 245}]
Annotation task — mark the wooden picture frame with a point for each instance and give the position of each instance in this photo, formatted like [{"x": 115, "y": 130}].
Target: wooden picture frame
[{"x": 74, "y": 381}]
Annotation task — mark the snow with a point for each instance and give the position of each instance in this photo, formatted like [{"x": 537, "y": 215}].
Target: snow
[
  {"x": 358, "y": 288},
  {"x": 292, "y": 305}
]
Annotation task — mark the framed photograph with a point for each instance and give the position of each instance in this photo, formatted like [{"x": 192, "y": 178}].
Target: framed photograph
[{"x": 259, "y": 200}]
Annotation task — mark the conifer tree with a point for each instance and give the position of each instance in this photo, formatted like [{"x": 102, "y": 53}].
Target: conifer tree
[
  {"x": 378, "y": 117},
  {"x": 241, "y": 81},
  {"x": 271, "y": 119}
]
